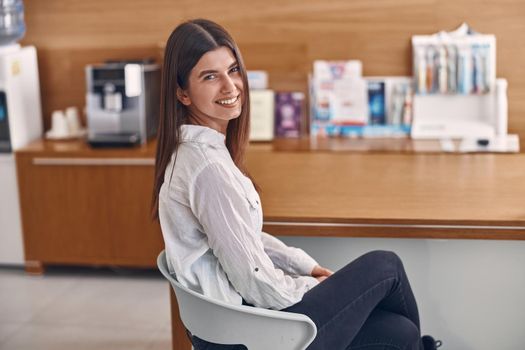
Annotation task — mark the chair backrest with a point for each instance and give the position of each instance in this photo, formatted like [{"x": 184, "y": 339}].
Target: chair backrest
[{"x": 219, "y": 322}]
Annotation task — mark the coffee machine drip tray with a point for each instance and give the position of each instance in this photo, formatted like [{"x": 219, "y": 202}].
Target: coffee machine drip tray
[{"x": 104, "y": 140}]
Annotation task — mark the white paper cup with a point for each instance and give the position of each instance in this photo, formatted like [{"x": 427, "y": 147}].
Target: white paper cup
[
  {"x": 59, "y": 125},
  {"x": 73, "y": 121}
]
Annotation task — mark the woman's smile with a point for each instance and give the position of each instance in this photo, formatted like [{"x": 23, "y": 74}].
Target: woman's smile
[{"x": 230, "y": 102}]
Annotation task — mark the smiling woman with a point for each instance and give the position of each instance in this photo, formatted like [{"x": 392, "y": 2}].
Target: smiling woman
[
  {"x": 202, "y": 68},
  {"x": 211, "y": 216}
]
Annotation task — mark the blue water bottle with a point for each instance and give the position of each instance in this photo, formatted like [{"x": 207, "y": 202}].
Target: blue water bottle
[{"x": 12, "y": 26}]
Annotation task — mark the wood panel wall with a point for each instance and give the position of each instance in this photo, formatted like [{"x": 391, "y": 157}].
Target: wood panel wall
[{"x": 280, "y": 36}]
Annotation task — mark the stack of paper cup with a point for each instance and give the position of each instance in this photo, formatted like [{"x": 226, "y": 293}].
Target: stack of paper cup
[{"x": 65, "y": 125}]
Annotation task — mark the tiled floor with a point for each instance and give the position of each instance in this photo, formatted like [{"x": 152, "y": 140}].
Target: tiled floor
[{"x": 83, "y": 309}]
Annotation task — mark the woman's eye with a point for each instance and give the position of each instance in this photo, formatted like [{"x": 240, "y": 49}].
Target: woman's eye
[
  {"x": 234, "y": 70},
  {"x": 209, "y": 77}
]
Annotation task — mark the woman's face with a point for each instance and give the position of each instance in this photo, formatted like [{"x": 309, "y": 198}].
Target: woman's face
[{"x": 215, "y": 89}]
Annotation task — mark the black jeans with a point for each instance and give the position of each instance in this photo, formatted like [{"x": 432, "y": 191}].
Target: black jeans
[{"x": 368, "y": 304}]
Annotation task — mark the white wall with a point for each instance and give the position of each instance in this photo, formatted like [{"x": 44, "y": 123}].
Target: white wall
[{"x": 470, "y": 293}]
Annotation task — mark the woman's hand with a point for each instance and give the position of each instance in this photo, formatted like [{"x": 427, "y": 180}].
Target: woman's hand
[{"x": 321, "y": 273}]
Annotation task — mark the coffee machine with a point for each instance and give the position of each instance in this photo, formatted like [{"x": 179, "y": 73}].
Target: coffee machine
[{"x": 122, "y": 102}]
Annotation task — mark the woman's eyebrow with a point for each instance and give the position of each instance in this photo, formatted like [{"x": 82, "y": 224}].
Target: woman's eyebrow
[{"x": 208, "y": 71}]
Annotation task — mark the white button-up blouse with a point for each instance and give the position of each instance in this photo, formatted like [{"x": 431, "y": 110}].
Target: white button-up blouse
[{"x": 211, "y": 220}]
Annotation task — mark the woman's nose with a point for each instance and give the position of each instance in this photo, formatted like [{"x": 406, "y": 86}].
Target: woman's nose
[{"x": 228, "y": 85}]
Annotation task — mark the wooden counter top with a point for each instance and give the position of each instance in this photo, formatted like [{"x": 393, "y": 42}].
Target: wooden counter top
[
  {"x": 79, "y": 148},
  {"x": 385, "y": 195}
]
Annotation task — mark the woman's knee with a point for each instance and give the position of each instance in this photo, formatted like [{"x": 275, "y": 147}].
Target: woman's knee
[
  {"x": 382, "y": 263},
  {"x": 384, "y": 257}
]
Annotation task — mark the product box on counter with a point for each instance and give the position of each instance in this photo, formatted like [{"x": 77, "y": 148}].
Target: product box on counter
[
  {"x": 344, "y": 103},
  {"x": 257, "y": 79},
  {"x": 339, "y": 93},
  {"x": 289, "y": 114},
  {"x": 262, "y": 115}
]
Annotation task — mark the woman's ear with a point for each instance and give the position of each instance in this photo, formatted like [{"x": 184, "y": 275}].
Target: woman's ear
[{"x": 183, "y": 97}]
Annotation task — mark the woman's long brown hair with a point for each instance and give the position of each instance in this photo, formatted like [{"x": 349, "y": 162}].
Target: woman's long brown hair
[{"x": 185, "y": 46}]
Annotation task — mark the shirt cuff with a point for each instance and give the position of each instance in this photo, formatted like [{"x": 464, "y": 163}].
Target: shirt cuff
[{"x": 304, "y": 264}]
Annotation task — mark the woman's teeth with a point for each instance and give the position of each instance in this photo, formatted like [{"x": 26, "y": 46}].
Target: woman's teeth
[{"x": 228, "y": 102}]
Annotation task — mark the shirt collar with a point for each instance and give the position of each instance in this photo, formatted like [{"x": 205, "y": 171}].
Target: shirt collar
[{"x": 201, "y": 134}]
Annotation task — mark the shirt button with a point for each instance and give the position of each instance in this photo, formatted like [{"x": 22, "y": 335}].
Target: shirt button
[{"x": 256, "y": 269}]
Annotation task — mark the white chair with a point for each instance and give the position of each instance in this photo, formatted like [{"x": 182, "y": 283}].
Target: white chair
[{"x": 219, "y": 322}]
